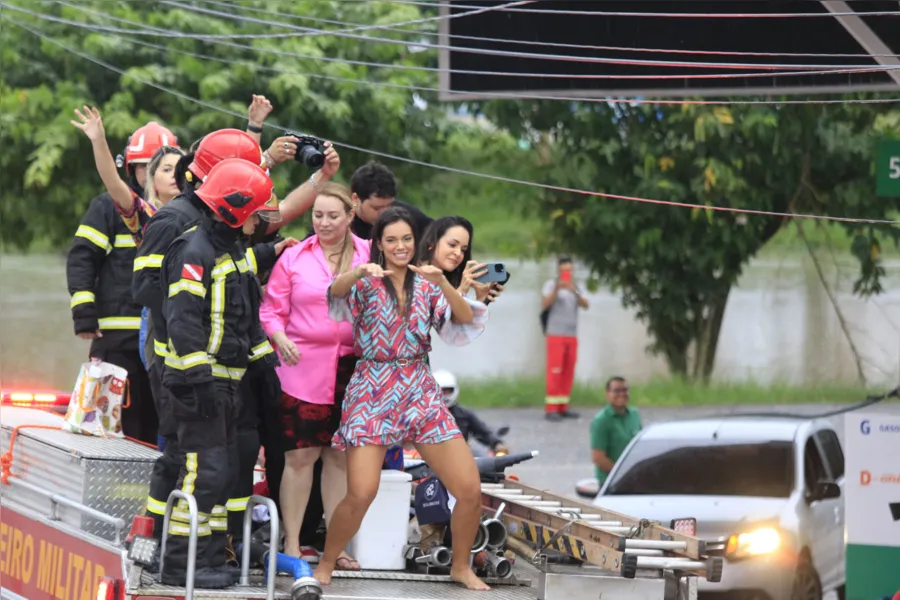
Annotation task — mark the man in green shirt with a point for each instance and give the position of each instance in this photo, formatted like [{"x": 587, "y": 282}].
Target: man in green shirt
[{"x": 613, "y": 428}]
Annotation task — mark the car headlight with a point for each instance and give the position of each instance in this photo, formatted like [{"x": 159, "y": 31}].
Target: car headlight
[{"x": 758, "y": 542}]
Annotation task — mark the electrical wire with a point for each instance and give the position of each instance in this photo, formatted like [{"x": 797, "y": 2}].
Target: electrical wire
[
  {"x": 475, "y": 38},
  {"x": 360, "y": 82},
  {"x": 513, "y": 54},
  {"x": 823, "y": 69},
  {"x": 670, "y": 15},
  {"x": 505, "y": 95},
  {"x": 444, "y": 167},
  {"x": 602, "y": 76},
  {"x": 641, "y": 14},
  {"x": 167, "y": 33}
]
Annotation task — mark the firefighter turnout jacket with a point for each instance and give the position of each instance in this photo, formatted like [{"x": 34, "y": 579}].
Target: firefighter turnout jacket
[
  {"x": 170, "y": 222},
  {"x": 183, "y": 213},
  {"x": 98, "y": 274},
  {"x": 211, "y": 308}
]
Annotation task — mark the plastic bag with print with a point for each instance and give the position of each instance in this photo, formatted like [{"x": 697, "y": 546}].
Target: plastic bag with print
[{"x": 100, "y": 394}]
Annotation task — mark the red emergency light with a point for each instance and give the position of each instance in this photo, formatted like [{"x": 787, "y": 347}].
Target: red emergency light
[
  {"x": 108, "y": 589},
  {"x": 55, "y": 401}
]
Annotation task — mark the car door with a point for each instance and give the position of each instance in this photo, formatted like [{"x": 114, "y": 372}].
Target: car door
[
  {"x": 821, "y": 528},
  {"x": 834, "y": 461}
]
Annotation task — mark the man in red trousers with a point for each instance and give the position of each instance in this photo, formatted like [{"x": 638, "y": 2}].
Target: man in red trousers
[{"x": 562, "y": 299}]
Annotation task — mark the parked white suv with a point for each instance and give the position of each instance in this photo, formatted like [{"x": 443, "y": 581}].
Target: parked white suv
[{"x": 766, "y": 493}]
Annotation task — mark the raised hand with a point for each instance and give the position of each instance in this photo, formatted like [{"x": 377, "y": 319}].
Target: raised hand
[
  {"x": 370, "y": 270},
  {"x": 259, "y": 109},
  {"x": 428, "y": 272},
  {"x": 90, "y": 123},
  {"x": 332, "y": 161},
  {"x": 473, "y": 270}
]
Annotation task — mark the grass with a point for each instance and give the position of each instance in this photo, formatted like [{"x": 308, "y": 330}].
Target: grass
[{"x": 507, "y": 393}]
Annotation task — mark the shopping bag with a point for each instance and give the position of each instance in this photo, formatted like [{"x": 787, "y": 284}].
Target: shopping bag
[{"x": 100, "y": 394}]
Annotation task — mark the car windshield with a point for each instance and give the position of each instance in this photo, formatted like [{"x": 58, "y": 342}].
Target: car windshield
[{"x": 705, "y": 468}]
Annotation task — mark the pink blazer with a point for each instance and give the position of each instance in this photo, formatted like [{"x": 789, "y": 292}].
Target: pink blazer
[{"x": 295, "y": 303}]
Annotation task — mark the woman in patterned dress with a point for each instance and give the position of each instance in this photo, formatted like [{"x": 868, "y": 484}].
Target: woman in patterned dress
[{"x": 392, "y": 397}]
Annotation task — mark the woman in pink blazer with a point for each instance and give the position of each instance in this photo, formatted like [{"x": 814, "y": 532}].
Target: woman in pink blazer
[{"x": 317, "y": 358}]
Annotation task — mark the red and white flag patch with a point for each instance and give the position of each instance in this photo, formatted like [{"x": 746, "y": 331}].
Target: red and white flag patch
[{"x": 192, "y": 272}]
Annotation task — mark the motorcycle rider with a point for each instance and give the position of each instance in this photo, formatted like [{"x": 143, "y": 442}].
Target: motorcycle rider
[
  {"x": 466, "y": 419},
  {"x": 212, "y": 340}
]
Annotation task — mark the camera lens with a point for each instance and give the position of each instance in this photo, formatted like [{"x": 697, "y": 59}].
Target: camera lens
[{"x": 311, "y": 157}]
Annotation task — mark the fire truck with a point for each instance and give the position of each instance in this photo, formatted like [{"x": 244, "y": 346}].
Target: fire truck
[{"x": 69, "y": 501}]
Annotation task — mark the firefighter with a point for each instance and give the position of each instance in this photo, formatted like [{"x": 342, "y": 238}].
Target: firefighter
[
  {"x": 98, "y": 274},
  {"x": 171, "y": 221},
  {"x": 212, "y": 340}
]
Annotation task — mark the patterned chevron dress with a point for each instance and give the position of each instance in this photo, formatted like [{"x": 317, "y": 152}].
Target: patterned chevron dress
[{"x": 392, "y": 397}]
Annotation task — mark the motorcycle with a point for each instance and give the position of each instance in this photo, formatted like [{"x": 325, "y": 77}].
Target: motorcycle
[{"x": 479, "y": 450}]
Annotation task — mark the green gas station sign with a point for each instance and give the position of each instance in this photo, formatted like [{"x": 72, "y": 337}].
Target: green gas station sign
[{"x": 887, "y": 168}]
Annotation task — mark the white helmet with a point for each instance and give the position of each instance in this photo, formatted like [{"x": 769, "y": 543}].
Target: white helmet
[{"x": 447, "y": 382}]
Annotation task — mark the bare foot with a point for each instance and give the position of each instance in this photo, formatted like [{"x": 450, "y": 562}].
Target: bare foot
[
  {"x": 468, "y": 578},
  {"x": 323, "y": 573}
]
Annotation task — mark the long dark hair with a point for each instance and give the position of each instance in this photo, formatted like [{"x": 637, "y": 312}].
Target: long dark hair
[
  {"x": 395, "y": 214},
  {"x": 433, "y": 234}
]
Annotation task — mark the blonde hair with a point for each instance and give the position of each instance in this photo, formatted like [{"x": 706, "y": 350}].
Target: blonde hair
[
  {"x": 342, "y": 193},
  {"x": 149, "y": 189}
]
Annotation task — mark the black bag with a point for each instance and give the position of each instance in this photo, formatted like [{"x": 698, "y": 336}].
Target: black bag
[
  {"x": 432, "y": 503},
  {"x": 545, "y": 314}
]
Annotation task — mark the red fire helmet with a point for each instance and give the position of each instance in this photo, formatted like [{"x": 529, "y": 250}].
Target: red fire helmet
[
  {"x": 223, "y": 144},
  {"x": 145, "y": 141},
  {"x": 235, "y": 189}
]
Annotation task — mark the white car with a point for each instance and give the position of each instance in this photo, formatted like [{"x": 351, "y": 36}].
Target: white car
[{"x": 766, "y": 493}]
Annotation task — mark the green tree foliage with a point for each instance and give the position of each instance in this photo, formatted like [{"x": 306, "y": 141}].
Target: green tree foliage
[
  {"x": 47, "y": 174},
  {"x": 676, "y": 266}
]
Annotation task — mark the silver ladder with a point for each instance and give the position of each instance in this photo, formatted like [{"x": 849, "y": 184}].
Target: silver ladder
[
  {"x": 193, "y": 514},
  {"x": 625, "y": 555}
]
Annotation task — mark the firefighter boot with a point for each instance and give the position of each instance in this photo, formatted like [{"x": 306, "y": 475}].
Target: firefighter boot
[
  {"x": 175, "y": 565},
  {"x": 217, "y": 556}
]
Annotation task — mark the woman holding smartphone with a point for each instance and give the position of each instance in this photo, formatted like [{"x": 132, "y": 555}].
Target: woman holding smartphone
[{"x": 447, "y": 244}]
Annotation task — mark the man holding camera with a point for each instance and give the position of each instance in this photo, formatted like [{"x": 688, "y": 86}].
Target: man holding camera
[{"x": 561, "y": 299}]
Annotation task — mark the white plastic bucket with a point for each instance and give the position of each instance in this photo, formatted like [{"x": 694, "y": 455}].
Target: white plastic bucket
[{"x": 381, "y": 539}]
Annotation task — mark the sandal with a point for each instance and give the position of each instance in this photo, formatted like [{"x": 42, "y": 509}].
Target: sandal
[{"x": 345, "y": 563}]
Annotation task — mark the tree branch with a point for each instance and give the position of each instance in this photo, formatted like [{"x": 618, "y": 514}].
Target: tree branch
[{"x": 840, "y": 315}]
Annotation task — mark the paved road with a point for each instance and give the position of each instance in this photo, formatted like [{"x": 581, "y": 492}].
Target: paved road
[{"x": 564, "y": 446}]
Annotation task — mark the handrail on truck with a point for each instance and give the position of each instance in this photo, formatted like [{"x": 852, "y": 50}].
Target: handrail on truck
[
  {"x": 56, "y": 500},
  {"x": 191, "y": 566},
  {"x": 273, "y": 542}
]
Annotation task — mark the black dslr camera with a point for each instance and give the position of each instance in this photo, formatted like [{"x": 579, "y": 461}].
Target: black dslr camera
[{"x": 310, "y": 150}]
